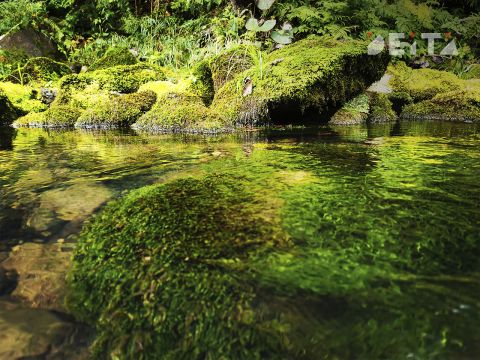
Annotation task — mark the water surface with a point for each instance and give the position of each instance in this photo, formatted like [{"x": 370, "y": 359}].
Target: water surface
[{"x": 384, "y": 220}]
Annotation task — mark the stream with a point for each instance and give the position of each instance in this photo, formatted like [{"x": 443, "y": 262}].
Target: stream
[{"x": 385, "y": 218}]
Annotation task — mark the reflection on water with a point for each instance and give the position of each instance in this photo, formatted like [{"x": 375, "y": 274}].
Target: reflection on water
[{"x": 385, "y": 221}]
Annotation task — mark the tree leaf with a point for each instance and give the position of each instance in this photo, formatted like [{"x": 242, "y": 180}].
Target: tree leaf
[{"x": 252, "y": 25}]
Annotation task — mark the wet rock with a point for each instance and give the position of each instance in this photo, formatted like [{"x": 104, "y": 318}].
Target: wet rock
[
  {"x": 31, "y": 42},
  {"x": 7, "y": 281},
  {"x": 48, "y": 95},
  {"x": 41, "y": 274},
  {"x": 27, "y": 333}
]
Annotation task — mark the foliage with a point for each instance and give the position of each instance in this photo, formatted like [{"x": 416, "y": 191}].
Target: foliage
[{"x": 113, "y": 57}]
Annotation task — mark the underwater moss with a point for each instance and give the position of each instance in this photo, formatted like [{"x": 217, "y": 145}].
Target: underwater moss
[
  {"x": 162, "y": 270},
  {"x": 381, "y": 108},
  {"x": 114, "y": 56},
  {"x": 62, "y": 116},
  {"x": 311, "y": 75},
  {"x": 119, "y": 111},
  {"x": 354, "y": 111},
  {"x": 40, "y": 70}
]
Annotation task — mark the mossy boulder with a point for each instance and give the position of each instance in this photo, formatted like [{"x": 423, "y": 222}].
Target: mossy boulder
[
  {"x": 422, "y": 84},
  {"x": 8, "y": 112},
  {"x": 114, "y": 56},
  {"x": 381, "y": 108},
  {"x": 40, "y": 70},
  {"x": 82, "y": 89},
  {"x": 24, "y": 98},
  {"x": 119, "y": 111},
  {"x": 178, "y": 109},
  {"x": 353, "y": 112},
  {"x": 62, "y": 116},
  {"x": 202, "y": 82},
  {"x": 461, "y": 106},
  {"x": 165, "y": 270},
  {"x": 310, "y": 77}
]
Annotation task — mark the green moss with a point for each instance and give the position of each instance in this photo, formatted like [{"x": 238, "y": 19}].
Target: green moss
[
  {"x": 381, "y": 108},
  {"x": 399, "y": 100},
  {"x": 80, "y": 88},
  {"x": 177, "y": 109},
  {"x": 119, "y": 111},
  {"x": 41, "y": 70},
  {"x": 472, "y": 73},
  {"x": 113, "y": 57},
  {"x": 202, "y": 84},
  {"x": 311, "y": 74},
  {"x": 23, "y": 98},
  {"x": 55, "y": 117},
  {"x": 8, "y": 112},
  {"x": 461, "y": 106},
  {"x": 353, "y": 112},
  {"x": 164, "y": 270},
  {"x": 422, "y": 84}
]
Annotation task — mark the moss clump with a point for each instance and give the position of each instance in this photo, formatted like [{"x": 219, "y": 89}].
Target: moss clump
[
  {"x": 381, "y": 108},
  {"x": 61, "y": 116},
  {"x": 399, "y": 100},
  {"x": 23, "y": 98},
  {"x": 312, "y": 75},
  {"x": 202, "y": 84},
  {"x": 122, "y": 79},
  {"x": 164, "y": 270},
  {"x": 178, "y": 109},
  {"x": 114, "y": 56},
  {"x": 422, "y": 84},
  {"x": 40, "y": 70},
  {"x": 353, "y": 112},
  {"x": 462, "y": 106},
  {"x": 231, "y": 62},
  {"x": 8, "y": 112},
  {"x": 119, "y": 111}
]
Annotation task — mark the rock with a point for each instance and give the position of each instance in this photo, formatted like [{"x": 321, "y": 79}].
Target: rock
[
  {"x": 48, "y": 95},
  {"x": 33, "y": 43},
  {"x": 27, "y": 333},
  {"x": 120, "y": 111},
  {"x": 8, "y": 280},
  {"x": 41, "y": 272},
  {"x": 382, "y": 86}
]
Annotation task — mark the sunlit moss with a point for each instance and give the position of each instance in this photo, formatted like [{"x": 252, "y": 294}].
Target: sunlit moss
[
  {"x": 8, "y": 113},
  {"x": 61, "y": 116},
  {"x": 118, "y": 111},
  {"x": 381, "y": 109},
  {"x": 114, "y": 56},
  {"x": 354, "y": 111},
  {"x": 24, "y": 98}
]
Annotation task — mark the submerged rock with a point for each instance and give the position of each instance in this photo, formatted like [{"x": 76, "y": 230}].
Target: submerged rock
[{"x": 172, "y": 260}]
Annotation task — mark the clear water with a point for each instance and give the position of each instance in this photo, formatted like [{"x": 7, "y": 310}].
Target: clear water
[{"x": 384, "y": 220}]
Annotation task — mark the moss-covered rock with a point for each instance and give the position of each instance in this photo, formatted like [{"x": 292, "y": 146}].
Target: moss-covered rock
[
  {"x": 422, "y": 84},
  {"x": 399, "y": 100},
  {"x": 381, "y": 108},
  {"x": 8, "y": 112},
  {"x": 62, "y": 116},
  {"x": 353, "y": 112},
  {"x": 462, "y": 106},
  {"x": 202, "y": 82},
  {"x": 119, "y": 111},
  {"x": 114, "y": 56},
  {"x": 40, "y": 70},
  {"x": 23, "y": 98},
  {"x": 164, "y": 270},
  {"x": 82, "y": 89},
  {"x": 178, "y": 109},
  {"x": 310, "y": 76}
]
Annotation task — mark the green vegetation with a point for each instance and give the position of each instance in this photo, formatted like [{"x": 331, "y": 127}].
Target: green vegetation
[
  {"x": 188, "y": 241},
  {"x": 40, "y": 70},
  {"x": 114, "y": 57},
  {"x": 381, "y": 108},
  {"x": 62, "y": 116}
]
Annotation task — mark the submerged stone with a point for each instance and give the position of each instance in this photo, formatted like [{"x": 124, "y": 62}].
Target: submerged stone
[{"x": 172, "y": 261}]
